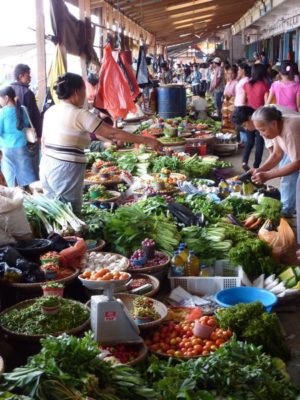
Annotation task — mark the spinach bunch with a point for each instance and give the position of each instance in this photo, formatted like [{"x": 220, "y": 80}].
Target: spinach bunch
[
  {"x": 253, "y": 324},
  {"x": 255, "y": 256},
  {"x": 171, "y": 163}
]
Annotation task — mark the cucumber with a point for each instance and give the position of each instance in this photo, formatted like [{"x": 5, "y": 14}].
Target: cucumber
[
  {"x": 290, "y": 283},
  {"x": 297, "y": 273},
  {"x": 287, "y": 274}
]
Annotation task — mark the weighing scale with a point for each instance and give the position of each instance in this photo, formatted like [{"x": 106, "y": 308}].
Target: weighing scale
[{"x": 111, "y": 321}]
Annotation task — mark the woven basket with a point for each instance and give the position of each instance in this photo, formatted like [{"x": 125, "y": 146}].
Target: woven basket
[
  {"x": 159, "y": 307},
  {"x": 142, "y": 355},
  {"x": 149, "y": 270},
  {"x": 100, "y": 245},
  {"x": 36, "y": 338},
  {"x": 38, "y": 285},
  {"x": 154, "y": 281}
]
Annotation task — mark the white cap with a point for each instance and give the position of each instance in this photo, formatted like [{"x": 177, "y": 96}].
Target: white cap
[{"x": 217, "y": 60}]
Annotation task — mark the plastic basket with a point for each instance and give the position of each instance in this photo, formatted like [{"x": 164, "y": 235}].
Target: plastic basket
[
  {"x": 224, "y": 268},
  {"x": 204, "y": 286}
]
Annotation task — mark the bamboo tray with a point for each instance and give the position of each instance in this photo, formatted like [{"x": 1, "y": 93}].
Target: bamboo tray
[
  {"x": 100, "y": 246},
  {"x": 32, "y": 286},
  {"x": 36, "y": 338}
]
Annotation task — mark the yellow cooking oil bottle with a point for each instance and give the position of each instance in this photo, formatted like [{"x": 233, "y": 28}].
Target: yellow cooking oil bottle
[{"x": 193, "y": 265}]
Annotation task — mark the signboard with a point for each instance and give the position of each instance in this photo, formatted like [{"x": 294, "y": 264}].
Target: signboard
[{"x": 282, "y": 25}]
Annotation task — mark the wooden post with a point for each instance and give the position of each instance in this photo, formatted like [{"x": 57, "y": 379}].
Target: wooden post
[
  {"x": 41, "y": 53},
  {"x": 84, "y": 11}
]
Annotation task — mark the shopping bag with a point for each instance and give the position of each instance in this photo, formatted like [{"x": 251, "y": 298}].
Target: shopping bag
[
  {"x": 113, "y": 90},
  {"x": 281, "y": 240}
]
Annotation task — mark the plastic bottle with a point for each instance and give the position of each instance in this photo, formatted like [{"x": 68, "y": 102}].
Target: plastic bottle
[
  {"x": 223, "y": 185},
  {"x": 177, "y": 265},
  {"x": 183, "y": 252},
  {"x": 205, "y": 271},
  {"x": 193, "y": 265}
]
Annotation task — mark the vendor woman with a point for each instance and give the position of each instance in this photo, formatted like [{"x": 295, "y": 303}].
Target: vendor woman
[
  {"x": 284, "y": 131},
  {"x": 65, "y": 136}
]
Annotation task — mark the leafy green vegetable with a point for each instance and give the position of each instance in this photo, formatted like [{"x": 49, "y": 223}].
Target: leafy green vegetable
[
  {"x": 68, "y": 368},
  {"x": 128, "y": 162},
  {"x": 128, "y": 227},
  {"x": 95, "y": 220},
  {"x": 32, "y": 321},
  {"x": 268, "y": 208},
  {"x": 171, "y": 163},
  {"x": 234, "y": 372},
  {"x": 193, "y": 167},
  {"x": 253, "y": 324},
  {"x": 255, "y": 256},
  {"x": 154, "y": 205},
  {"x": 201, "y": 204},
  {"x": 239, "y": 207}
]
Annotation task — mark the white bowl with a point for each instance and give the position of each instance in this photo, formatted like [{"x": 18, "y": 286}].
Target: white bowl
[{"x": 119, "y": 284}]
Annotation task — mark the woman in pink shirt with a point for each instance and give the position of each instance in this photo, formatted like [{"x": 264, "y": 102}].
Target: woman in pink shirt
[
  {"x": 229, "y": 95},
  {"x": 244, "y": 72},
  {"x": 286, "y": 92}
]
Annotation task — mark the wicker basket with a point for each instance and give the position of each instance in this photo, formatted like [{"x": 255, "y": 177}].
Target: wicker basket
[
  {"x": 154, "y": 282},
  {"x": 150, "y": 270},
  {"x": 142, "y": 355},
  {"x": 159, "y": 307},
  {"x": 38, "y": 285},
  {"x": 36, "y": 338},
  {"x": 100, "y": 246}
]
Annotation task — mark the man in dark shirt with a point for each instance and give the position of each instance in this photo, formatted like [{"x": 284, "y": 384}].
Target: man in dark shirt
[{"x": 27, "y": 99}]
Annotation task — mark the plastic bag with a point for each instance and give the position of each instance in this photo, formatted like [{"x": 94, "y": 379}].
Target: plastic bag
[
  {"x": 142, "y": 74},
  {"x": 13, "y": 221},
  {"x": 281, "y": 240},
  {"x": 73, "y": 256},
  {"x": 113, "y": 91}
]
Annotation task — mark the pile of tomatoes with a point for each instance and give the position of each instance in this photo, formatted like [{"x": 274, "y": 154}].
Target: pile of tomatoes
[
  {"x": 124, "y": 353},
  {"x": 177, "y": 340}
]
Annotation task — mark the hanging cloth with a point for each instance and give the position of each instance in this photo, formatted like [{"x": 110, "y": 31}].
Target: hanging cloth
[
  {"x": 142, "y": 76},
  {"x": 113, "y": 90},
  {"x": 57, "y": 69},
  {"x": 128, "y": 73}
]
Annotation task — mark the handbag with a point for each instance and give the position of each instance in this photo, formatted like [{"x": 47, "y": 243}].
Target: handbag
[{"x": 30, "y": 133}]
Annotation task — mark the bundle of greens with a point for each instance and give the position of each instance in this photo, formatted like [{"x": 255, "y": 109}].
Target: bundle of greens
[
  {"x": 234, "y": 372},
  {"x": 155, "y": 205},
  {"x": 130, "y": 225},
  {"x": 128, "y": 162},
  {"x": 95, "y": 219},
  {"x": 238, "y": 206},
  {"x": 255, "y": 256},
  {"x": 49, "y": 216},
  {"x": 268, "y": 208},
  {"x": 68, "y": 368},
  {"x": 171, "y": 163},
  {"x": 193, "y": 167},
  {"x": 251, "y": 323},
  {"x": 212, "y": 211},
  {"x": 235, "y": 233},
  {"x": 32, "y": 321}
]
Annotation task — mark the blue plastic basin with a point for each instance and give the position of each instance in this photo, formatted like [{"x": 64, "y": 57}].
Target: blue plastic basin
[{"x": 233, "y": 296}]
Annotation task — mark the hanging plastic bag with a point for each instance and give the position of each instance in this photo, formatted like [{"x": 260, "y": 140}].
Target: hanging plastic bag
[
  {"x": 57, "y": 69},
  {"x": 128, "y": 73},
  {"x": 281, "y": 240},
  {"x": 113, "y": 91}
]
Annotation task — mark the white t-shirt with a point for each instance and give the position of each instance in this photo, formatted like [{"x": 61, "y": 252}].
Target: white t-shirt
[{"x": 66, "y": 131}]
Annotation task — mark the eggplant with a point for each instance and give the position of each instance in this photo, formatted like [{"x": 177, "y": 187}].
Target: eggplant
[
  {"x": 233, "y": 220},
  {"x": 182, "y": 213}
]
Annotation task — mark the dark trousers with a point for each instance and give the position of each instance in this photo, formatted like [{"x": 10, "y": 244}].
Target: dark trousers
[
  {"x": 254, "y": 138},
  {"x": 196, "y": 89}
]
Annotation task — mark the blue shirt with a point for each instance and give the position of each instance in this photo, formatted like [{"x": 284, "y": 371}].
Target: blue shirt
[
  {"x": 10, "y": 136},
  {"x": 196, "y": 77}
]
